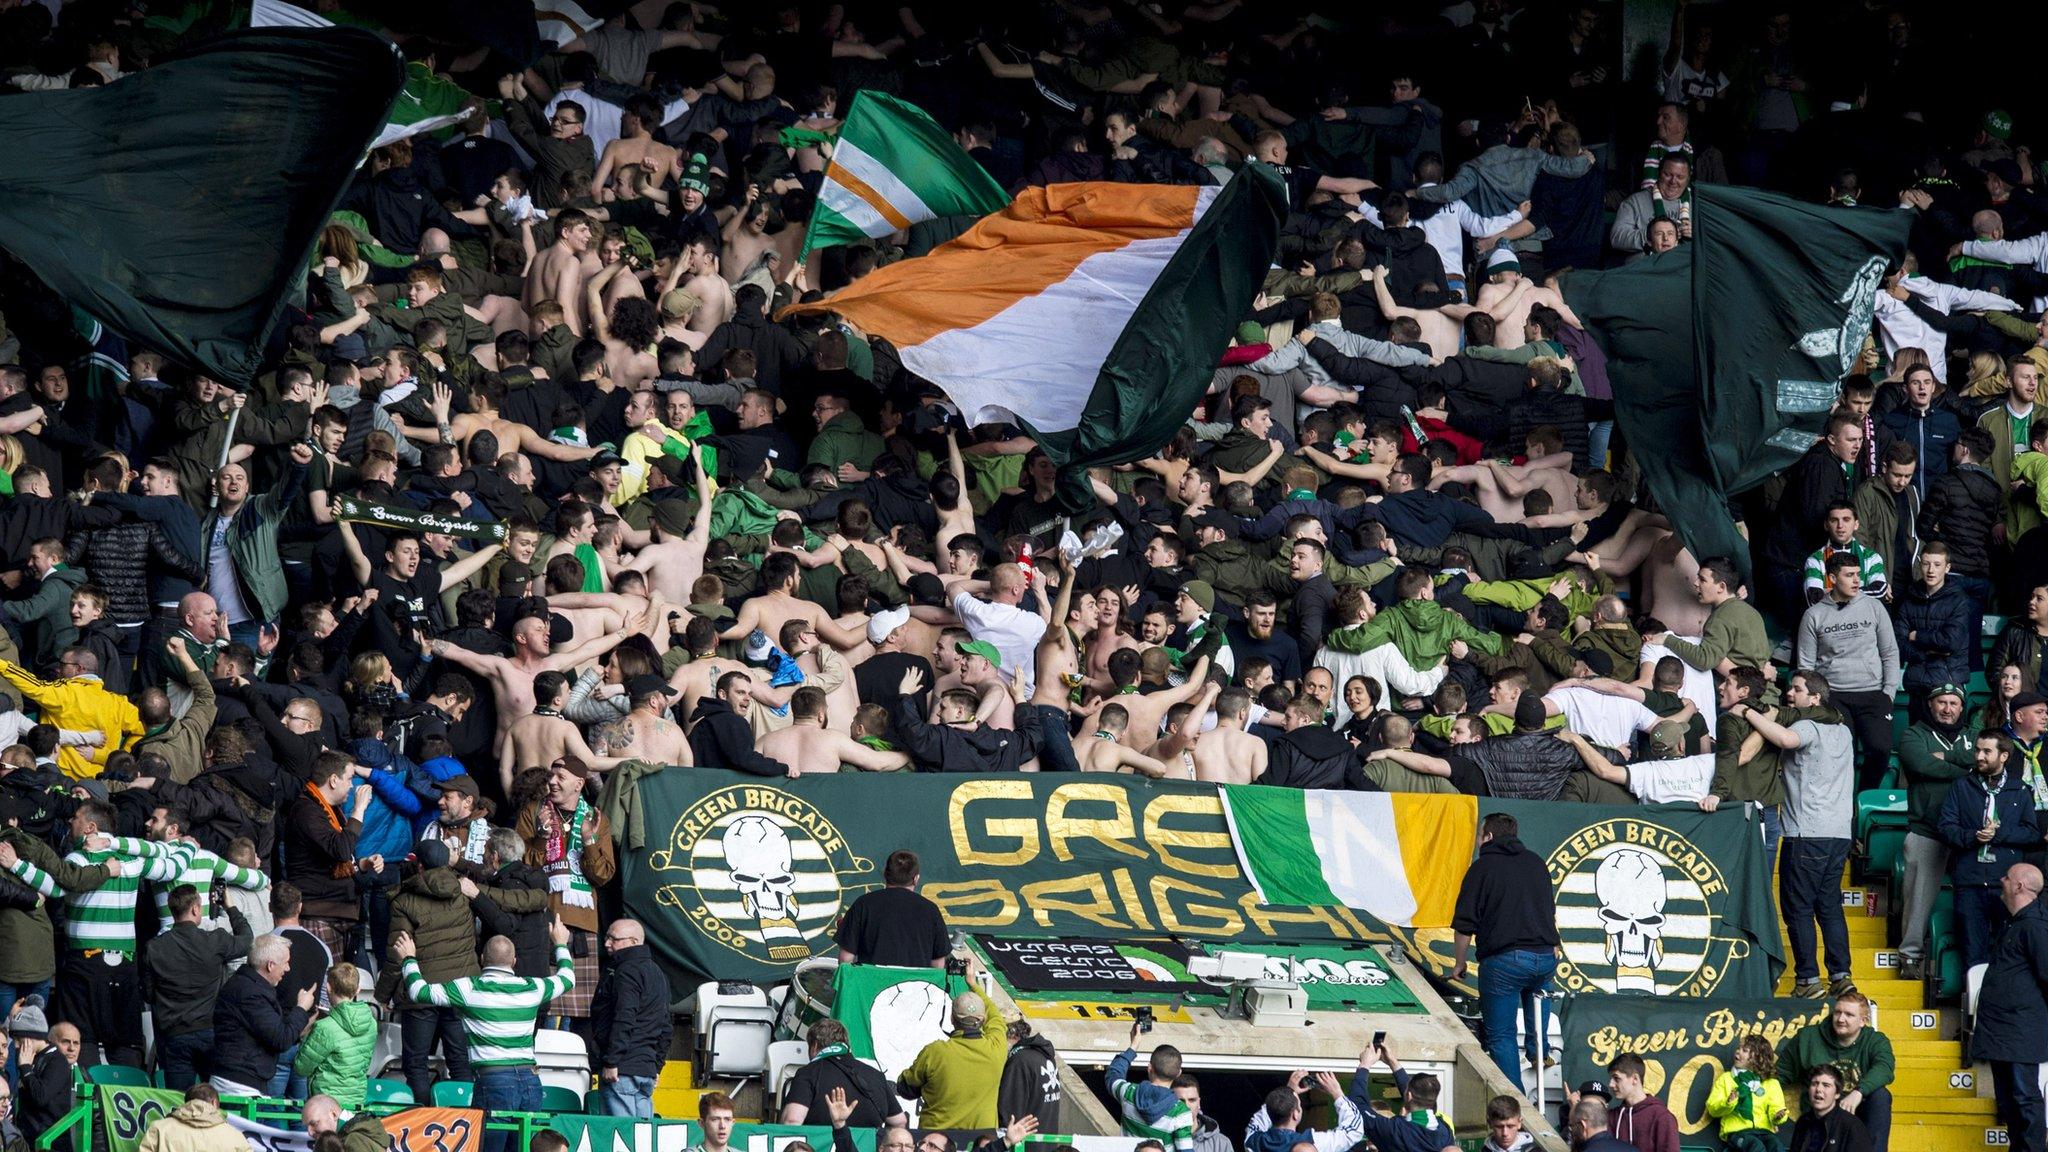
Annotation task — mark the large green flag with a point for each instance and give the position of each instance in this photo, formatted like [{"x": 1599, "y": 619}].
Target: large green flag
[
  {"x": 1727, "y": 353},
  {"x": 892, "y": 1013},
  {"x": 178, "y": 205},
  {"x": 892, "y": 167}
]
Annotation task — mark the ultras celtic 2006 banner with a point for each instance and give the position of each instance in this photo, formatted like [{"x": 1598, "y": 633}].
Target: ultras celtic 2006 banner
[{"x": 743, "y": 878}]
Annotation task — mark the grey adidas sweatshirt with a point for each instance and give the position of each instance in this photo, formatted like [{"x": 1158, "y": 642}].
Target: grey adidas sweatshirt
[{"x": 1850, "y": 644}]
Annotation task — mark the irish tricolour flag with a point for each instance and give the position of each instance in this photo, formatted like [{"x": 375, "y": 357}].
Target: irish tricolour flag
[
  {"x": 1399, "y": 856},
  {"x": 893, "y": 166},
  {"x": 1093, "y": 314}
]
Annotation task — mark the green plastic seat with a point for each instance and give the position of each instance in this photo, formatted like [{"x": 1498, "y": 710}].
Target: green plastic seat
[
  {"x": 382, "y": 1091},
  {"x": 1948, "y": 973},
  {"x": 119, "y": 1075},
  {"x": 1878, "y": 800},
  {"x": 454, "y": 1094},
  {"x": 554, "y": 1099}
]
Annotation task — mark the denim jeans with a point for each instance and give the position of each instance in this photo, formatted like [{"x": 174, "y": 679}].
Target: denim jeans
[
  {"x": 418, "y": 1029},
  {"x": 629, "y": 1096},
  {"x": 1774, "y": 833},
  {"x": 506, "y": 1090},
  {"x": 2018, "y": 1088},
  {"x": 1056, "y": 742},
  {"x": 1509, "y": 982},
  {"x": 183, "y": 1059},
  {"x": 1979, "y": 916},
  {"x": 286, "y": 1084},
  {"x": 1876, "y": 1114},
  {"x": 1810, "y": 891}
]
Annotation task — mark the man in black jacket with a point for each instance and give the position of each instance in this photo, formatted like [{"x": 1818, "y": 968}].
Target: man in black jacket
[
  {"x": 49, "y": 1061},
  {"x": 833, "y": 1067},
  {"x": 1828, "y": 474},
  {"x": 183, "y": 972},
  {"x": 2012, "y": 1010},
  {"x": 510, "y": 899},
  {"x": 1310, "y": 755},
  {"x": 957, "y": 743},
  {"x": 1507, "y": 902},
  {"x": 1031, "y": 1079},
  {"x": 720, "y": 736},
  {"x": 1963, "y": 509},
  {"x": 630, "y": 1016},
  {"x": 251, "y": 1028}
]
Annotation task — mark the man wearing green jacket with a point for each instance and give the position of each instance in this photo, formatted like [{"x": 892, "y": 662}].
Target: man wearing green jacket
[
  {"x": 240, "y": 536},
  {"x": 45, "y": 612},
  {"x": 1734, "y": 635},
  {"x": 1846, "y": 1038},
  {"x": 842, "y": 439},
  {"x": 1934, "y": 754}
]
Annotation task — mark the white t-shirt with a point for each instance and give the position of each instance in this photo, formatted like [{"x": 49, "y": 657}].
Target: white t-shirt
[
  {"x": 1609, "y": 721},
  {"x": 1683, "y": 780},
  {"x": 1698, "y": 686},
  {"x": 1013, "y": 631}
]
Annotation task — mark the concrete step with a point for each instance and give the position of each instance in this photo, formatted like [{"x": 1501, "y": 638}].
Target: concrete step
[
  {"x": 1952, "y": 1083},
  {"x": 1946, "y": 1132}
]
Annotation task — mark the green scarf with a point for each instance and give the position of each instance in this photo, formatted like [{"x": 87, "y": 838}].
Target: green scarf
[
  {"x": 563, "y": 854},
  {"x": 831, "y": 1050},
  {"x": 1749, "y": 1090},
  {"x": 593, "y": 568}
]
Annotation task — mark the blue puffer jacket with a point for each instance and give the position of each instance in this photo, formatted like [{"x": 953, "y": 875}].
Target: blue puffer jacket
[
  {"x": 1934, "y": 636},
  {"x": 398, "y": 801}
]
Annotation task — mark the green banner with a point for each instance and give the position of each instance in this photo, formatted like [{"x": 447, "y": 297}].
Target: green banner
[
  {"x": 621, "y": 1134},
  {"x": 127, "y": 1112},
  {"x": 892, "y": 1013},
  {"x": 742, "y": 879},
  {"x": 1684, "y": 1044},
  {"x": 414, "y": 520},
  {"x": 1351, "y": 978}
]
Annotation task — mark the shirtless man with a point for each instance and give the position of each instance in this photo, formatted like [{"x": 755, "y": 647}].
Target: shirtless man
[
  {"x": 981, "y": 672},
  {"x": 779, "y": 605},
  {"x": 1148, "y": 709},
  {"x": 1500, "y": 485},
  {"x": 1176, "y": 749},
  {"x": 1507, "y": 296},
  {"x": 635, "y": 146},
  {"x": 629, "y": 328},
  {"x": 676, "y": 557},
  {"x": 512, "y": 677},
  {"x": 812, "y": 748},
  {"x": 656, "y": 738},
  {"x": 557, "y": 272},
  {"x": 542, "y": 736},
  {"x": 824, "y": 668},
  {"x": 715, "y": 303},
  {"x": 746, "y": 236},
  {"x": 1107, "y": 752},
  {"x": 487, "y": 396},
  {"x": 1227, "y": 754},
  {"x": 575, "y": 524}
]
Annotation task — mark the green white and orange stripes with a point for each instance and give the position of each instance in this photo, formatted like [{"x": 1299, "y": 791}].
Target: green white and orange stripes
[
  {"x": 1060, "y": 310},
  {"x": 1399, "y": 856},
  {"x": 892, "y": 167}
]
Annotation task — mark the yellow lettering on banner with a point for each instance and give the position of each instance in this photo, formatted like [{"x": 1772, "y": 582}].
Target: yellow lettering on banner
[
  {"x": 1132, "y": 903},
  {"x": 1113, "y": 833},
  {"x": 1264, "y": 917},
  {"x": 1704, "y": 1064},
  {"x": 1025, "y": 829},
  {"x": 1610, "y": 1042},
  {"x": 1045, "y": 897},
  {"x": 1165, "y": 841},
  {"x": 1225, "y": 922},
  {"x": 973, "y": 903}
]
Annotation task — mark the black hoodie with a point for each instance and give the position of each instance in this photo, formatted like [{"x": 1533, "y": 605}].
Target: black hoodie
[
  {"x": 1031, "y": 1083},
  {"x": 1312, "y": 756}
]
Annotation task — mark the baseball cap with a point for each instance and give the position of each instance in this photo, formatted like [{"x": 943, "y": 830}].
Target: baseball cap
[
  {"x": 981, "y": 648},
  {"x": 883, "y": 623},
  {"x": 678, "y": 302},
  {"x": 1600, "y": 663},
  {"x": 1220, "y": 520},
  {"x": 648, "y": 684},
  {"x": 1594, "y": 1088},
  {"x": 604, "y": 456},
  {"x": 461, "y": 782},
  {"x": 1530, "y": 715}
]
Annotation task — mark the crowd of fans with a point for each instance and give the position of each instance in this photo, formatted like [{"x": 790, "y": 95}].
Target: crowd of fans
[{"x": 376, "y": 765}]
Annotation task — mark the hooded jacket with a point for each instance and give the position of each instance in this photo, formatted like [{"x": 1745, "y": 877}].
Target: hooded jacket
[
  {"x": 1932, "y": 761},
  {"x": 1031, "y": 1084},
  {"x": 514, "y": 904},
  {"x": 194, "y": 1126},
  {"x": 1648, "y": 1125},
  {"x": 1816, "y": 1044},
  {"x": 44, "y": 614},
  {"x": 335, "y": 1056},
  {"x": 629, "y": 1013},
  {"x": 1313, "y": 756},
  {"x": 395, "y": 807},
  {"x": 944, "y": 748},
  {"x": 431, "y": 907},
  {"x": 722, "y": 738},
  {"x": 1422, "y": 630},
  {"x": 1505, "y": 901}
]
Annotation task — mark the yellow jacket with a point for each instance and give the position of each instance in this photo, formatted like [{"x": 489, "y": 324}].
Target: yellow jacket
[
  {"x": 1768, "y": 1110},
  {"x": 82, "y": 704}
]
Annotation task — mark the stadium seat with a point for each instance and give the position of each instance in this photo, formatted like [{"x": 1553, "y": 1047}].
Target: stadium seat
[
  {"x": 784, "y": 1058},
  {"x": 735, "y": 1023},
  {"x": 1874, "y": 805},
  {"x": 562, "y": 1060},
  {"x": 1948, "y": 973},
  {"x": 554, "y": 1099},
  {"x": 454, "y": 1093},
  {"x": 119, "y": 1075},
  {"x": 382, "y": 1091}
]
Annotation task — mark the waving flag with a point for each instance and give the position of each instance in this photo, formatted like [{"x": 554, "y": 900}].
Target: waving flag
[
  {"x": 893, "y": 167},
  {"x": 179, "y": 204},
  {"x": 1091, "y": 313}
]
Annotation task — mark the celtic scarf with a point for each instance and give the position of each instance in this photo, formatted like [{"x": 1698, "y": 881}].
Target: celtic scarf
[
  {"x": 563, "y": 855},
  {"x": 1749, "y": 1089}
]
